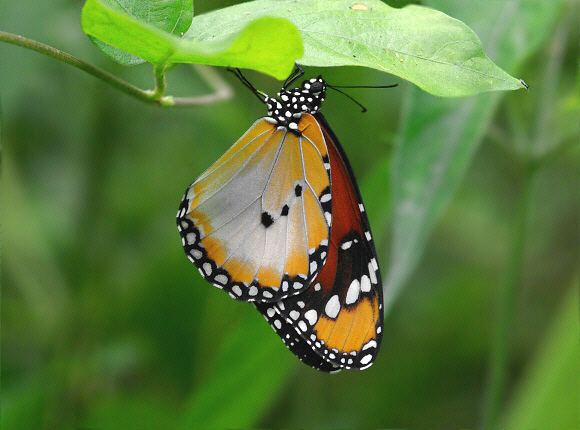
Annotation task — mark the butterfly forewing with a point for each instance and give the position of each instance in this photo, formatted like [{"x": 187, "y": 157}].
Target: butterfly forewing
[
  {"x": 256, "y": 223},
  {"x": 340, "y": 315}
]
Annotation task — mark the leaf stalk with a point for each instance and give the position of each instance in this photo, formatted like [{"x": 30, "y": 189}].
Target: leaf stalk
[{"x": 221, "y": 90}]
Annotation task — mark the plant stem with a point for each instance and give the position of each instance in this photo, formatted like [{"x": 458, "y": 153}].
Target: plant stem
[
  {"x": 506, "y": 305},
  {"x": 221, "y": 89},
  {"x": 160, "y": 82},
  {"x": 156, "y": 96},
  {"x": 59, "y": 55}
]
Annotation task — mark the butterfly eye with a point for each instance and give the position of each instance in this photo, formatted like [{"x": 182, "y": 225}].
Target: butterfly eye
[{"x": 316, "y": 87}]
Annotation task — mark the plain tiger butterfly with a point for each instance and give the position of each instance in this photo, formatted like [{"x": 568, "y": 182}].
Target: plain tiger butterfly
[{"x": 278, "y": 220}]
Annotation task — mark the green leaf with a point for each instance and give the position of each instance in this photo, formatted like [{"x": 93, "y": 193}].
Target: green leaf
[
  {"x": 438, "y": 53},
  {"x": 549, "y": 396},
  {"x": 173, "y": 16},
  {"x": 250, "y": 47},
  {"x": 439, "y": 137},
  {"x": 249, "y": 372}
]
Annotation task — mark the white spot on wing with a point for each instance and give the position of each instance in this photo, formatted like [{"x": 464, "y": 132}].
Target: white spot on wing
[
  {"x": 328, "y": 218},
  {"x": 372, "y": 274},
  {"x": 207, "y": 269},
  {"x": 332, "y": 307},
  {"x": 353, "y": 292},
  {"x": 366, "y": 359},
  {"x": 313, "y": 267},
  {"x": 222, "y": 279},
  {"x": 371, "y": 344},
  {"x": 365, "y": 284},
  {"x": 311, "y": 316}
]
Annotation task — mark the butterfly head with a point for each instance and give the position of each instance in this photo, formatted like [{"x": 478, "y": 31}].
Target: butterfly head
[{"x": 288, "y": 106}]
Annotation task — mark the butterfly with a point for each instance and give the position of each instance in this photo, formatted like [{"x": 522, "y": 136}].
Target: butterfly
[{"x": 279, "y": 221}]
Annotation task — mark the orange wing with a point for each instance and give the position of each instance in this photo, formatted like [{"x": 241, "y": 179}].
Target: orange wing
[
  {"x": 256, "y": 223},
  {"x": 340, "y": 316}
]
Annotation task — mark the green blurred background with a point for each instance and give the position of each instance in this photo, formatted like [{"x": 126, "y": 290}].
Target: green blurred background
[{"x": 105, "y": 324}]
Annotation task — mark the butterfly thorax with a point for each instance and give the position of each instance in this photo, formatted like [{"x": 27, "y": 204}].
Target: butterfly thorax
[{"x": 286, "y": 109}]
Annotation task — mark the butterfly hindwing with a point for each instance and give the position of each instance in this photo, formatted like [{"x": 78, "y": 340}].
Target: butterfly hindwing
[
  {"x": 340, "y": 315},
  {"x": 293, "y": 340},
  {"x": 256, "y": 223}
]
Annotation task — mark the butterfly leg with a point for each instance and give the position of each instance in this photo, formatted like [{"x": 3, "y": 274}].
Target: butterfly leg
[
  {"x": 296, "y": 74},
  {"x": 238, "y": 73}
]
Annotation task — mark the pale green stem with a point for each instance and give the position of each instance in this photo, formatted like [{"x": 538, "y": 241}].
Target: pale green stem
[{"x": 156, "y": 96}]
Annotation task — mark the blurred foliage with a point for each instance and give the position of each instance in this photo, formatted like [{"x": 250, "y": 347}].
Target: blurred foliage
[
  {"x": 549, "y": 398},
  {"x": 105, "y": 324},
  {"x": 425, "y": 177}
]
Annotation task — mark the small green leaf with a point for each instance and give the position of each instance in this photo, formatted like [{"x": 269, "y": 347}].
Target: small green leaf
[
  {"x": 173, "y": 16},
  {"x": 250, "y": 47},
  {"x": 438, "y": 53},
  {"x": 439, "y": 137}
]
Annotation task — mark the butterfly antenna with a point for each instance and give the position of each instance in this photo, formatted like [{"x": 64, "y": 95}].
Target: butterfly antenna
[
  {"x": 364, "y": 86},
  {"x": 298, "y": 72},
  {"x": 363, "y": 109}
]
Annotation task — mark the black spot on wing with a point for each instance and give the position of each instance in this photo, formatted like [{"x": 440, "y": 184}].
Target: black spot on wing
[
  {"x": 298, "y": 190},
  {"x": 267, "y": 219}
]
